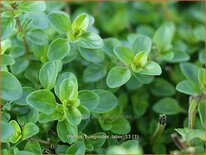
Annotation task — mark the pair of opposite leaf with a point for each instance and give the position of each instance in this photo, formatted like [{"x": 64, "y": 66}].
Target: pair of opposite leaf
[
  {"x": 77, "y": 33},
  {"x": 66, "y": 88},
  {"x": 132, "y": 64}
]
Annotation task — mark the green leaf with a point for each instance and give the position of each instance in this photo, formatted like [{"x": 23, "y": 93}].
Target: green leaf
[
  {"x": 48, "y": 74},
  {"x": 7, "y": 131},
  {"x": 58, "y": 49},
  {"x": 107, "y": 101},
  {"x": 92, "y": 55},
  {"x": 84, "y": 112},
  {"x": 26, "y": 92},
  {"x": 20, "y": 65},
  {"x": 201, "y": 110},
  {"x": 140, "y": 103},
  {"x": 80, "y": 24},
  {"x": 72, "y": 78},
  {"x": 77, "y": 148},
  {"x": 60, "y": 21},
  {"x": 68, "y": 90},
  {"x": 33, "y": 146},
  {"x": 17, "y": 132},
  {"x": 186, "y": 87},
  {"x": 29, "y": 130},
  {"x": 124, "y": 54},
  {"x": 97, "y": 142},
  {"x": 42, "y": 100},
  {"x": 164, "y": 36},
  {"x": 151, "y": 68},
  {"x": 37, "y": 36},
  {"x": 190, "y": 134},
  {"x": 190, "y": 71},
  {"x": 201, "y": 78},
  {"x": 161, "y": 87},
  {"x": 142, "y": 43},
  {"x": 109, "y": 45},
  {"x": 118, "y": 76},
  {"x": 90, "y": 40},
  {"x": 32, "y": 7},
  {"x": 7, "y": 60},
  {"x": 168, "y": 106},
  {"x": 89, "y": 99},
  {"x": 139, "y": 61},
  {"x": 94, "y": 73},
  {"x": 58, "y": 114},
  {"x": 7, "y": 25},
  {"x": 66, "y": 132},
  {"x": 5, "y": 44},
  {"x": 121, "y": 126},
  {"x": 11, "y": 88},
  {"x": 73, "y": 115}
]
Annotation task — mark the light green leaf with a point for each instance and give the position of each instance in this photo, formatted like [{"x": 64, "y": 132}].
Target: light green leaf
[
  {"x": 94, "y": 73},
  {"x": 77, "y": 148},
  {"x": 107, "y": 101},
  {"x": 61, "y": 78},
  {"x": 11, "y": 88},
  {"x": 80, "y": 24},
  {"x": 60, "y": 21},
  {"x": 7, "y": 131},
  {"x": 58, "y": 49},
  {"x": 5, "y": 44},
  {"x": 168, "y": 106},
  {"x": 33, "y": 146},
  {"x": 90, "y": 40},
  {"x": 48, "y": 74},
  {"x": 142, "y": 43},
  {"x": 109, "y": 45},
  {"x": 68, "y": 90},
  {"x": 201, "y": 110},
  {"x": 92, "y": 55},
  {"x": 201, "y": 78},
  {"x": 37, "y": 36},
  {"x": 139, "y": 61},
  {"x": 7, "y": 60},
  {"x": 26, "y": 92},
  {"x": 32, "y": 7},
  {"x": 97, "y": 142},
  {"x": 17, "y": 132},
  {"x": 151, "y": 68},
  {"x": 89, "y": 99},
  {"x": 20, "y": 65},
  {"x": 190, "y": 134},
  {"x": 186, "y": 88},
  {"x": 118, "y": 76},
  {"x": 7, "y": 25},
  {"x": 121, "y": 126},
  {"x": 29, "y": 130},
  {"x": 124, "y": 54},
  {"x": 58, "y": 114},
  {"x": 164, "y": 36},
  {"x": 42, "y": 100},
  {"x": 190, "y": 71},
  {"x": 73, "y": 115},
  {"x": 66, "y": 132}
]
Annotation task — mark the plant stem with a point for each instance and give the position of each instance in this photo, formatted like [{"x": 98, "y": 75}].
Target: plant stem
[
  {"x": 160, "y": 128},
  {"x": 41, "y": 141},
  {"x": 165, "y": 10},
  {"x": 24, "y": 38},
  {"x": 193, "y": 106}
]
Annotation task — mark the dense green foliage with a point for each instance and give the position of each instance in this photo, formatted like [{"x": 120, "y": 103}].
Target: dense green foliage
[{"x": 93, "y": 77}]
